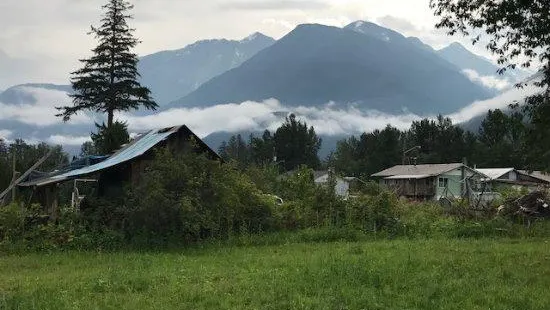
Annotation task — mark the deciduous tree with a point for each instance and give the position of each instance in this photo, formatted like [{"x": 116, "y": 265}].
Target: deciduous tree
[{"x": 517, "y": 32}]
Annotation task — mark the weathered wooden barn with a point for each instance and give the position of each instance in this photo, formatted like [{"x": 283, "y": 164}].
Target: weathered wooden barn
[{"x": 123, "y": 167}]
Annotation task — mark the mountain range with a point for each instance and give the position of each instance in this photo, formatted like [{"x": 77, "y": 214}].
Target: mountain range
[
  {"x": 173, "y": 74},
  {"x": 361, "y": 66}
]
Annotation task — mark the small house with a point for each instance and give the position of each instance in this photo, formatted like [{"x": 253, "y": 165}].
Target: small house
[
  {"x": 322, "y": 178},
  {"x": 341, "y": 188},
  {"x": 430, "y": 182},
  {"x": 500, "y": 178}
]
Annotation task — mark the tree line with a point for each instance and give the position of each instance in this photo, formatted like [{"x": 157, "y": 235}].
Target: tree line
[{"x": 501, "y": 141}]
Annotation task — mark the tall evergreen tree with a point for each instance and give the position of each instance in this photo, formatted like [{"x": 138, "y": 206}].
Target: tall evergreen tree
[
  {"x": 108, "y": 81},
  {"x": 5, "y": 171},
  {"x": 440, "y": 141},
  {"x": 108, "y": 140},
  {"x": 235, "y": 149},
  {"x": 262, "y": 148},
  {"x": 296, "y": 144}
]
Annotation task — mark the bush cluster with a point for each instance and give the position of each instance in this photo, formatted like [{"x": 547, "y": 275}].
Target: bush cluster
[{"x": 187, "y": 199}]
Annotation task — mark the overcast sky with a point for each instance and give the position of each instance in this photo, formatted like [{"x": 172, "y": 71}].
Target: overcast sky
[{"x": 42, "y": 40}]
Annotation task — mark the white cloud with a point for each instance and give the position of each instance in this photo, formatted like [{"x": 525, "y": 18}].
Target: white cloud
[
  {"x": 258, "y": 116},
  {"x": 5, "y": 134},
  {"x": 42, "y": 112},
  {"x": 68, "y": 140},
  {"x": 502, "y": 101},
  {"x": 227, "y": 117},
  {"x": 487, "y": 81},
  {"x": 327, "y": 120}
]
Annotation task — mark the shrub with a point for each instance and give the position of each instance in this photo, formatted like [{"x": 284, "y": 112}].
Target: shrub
[
  {"x": 12, "y": 221},
  {"x": 190, "y": 197},
  {"x": 375, "y": 214}
]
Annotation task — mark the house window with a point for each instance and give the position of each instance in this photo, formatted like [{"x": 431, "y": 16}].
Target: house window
[{"x": 443, "y": 182}]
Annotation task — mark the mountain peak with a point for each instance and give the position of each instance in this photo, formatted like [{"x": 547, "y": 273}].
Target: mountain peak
[
  {"x": 456, "y": 46},
  {"x": 256, "y": 36},
  {"x": 372, "y": 29},
  {"x": 360, "y": 24}
]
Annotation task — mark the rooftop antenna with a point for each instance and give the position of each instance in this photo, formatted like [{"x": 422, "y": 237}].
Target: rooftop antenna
[{"x": 408, "y": 151}]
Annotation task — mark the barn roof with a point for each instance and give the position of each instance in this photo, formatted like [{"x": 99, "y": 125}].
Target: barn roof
[{"x": 132, "y": 150}]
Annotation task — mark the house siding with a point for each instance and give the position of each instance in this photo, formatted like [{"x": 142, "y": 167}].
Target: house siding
[
  {"x": 454, "y": 186},
  {"x": 455, "y": 183}
]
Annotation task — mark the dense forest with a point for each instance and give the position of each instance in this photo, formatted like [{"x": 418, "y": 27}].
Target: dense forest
[{"x": 499, "y": 142}]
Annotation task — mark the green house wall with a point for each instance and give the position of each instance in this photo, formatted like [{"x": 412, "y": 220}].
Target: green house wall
[{"x": 455, "y": 183}]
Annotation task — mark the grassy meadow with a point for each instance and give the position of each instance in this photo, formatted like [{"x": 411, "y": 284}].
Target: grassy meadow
[{"x": 387, "y": 274}]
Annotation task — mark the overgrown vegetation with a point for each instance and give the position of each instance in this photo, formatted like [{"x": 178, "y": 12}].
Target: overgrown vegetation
[{"x": 189, "y": 199}]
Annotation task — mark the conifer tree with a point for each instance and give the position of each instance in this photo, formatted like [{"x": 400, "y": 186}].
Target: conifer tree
[
  {"x": 108, "y": 81},
  {"x": 297, "y": 144}
]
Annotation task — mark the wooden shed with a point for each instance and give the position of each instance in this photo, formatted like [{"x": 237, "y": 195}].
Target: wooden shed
[{"x": 124, "y": 166}]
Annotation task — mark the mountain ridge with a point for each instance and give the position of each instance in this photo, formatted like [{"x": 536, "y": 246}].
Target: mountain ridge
[
  {"x": 465, "y": 59},
  {"x": 338, "y": 57},
  {"x": 173, "y": 74}
]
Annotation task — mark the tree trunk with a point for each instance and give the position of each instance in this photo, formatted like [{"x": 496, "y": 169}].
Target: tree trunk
[{"x": 110, "y": 116}]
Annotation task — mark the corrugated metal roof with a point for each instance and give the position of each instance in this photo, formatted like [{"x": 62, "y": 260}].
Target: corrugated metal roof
[
  {"x": 412, "y": 170},
  {"x": 134, "y": 149},
  {"x": 408, "y": 177},
  {"x": 495, "y": 173}
]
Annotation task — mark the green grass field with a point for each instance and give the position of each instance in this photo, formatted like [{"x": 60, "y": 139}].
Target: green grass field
[{"x": 432, "y": 274}]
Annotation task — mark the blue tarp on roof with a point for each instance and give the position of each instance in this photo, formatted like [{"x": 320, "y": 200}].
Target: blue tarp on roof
[
  {"x": 136, "y": 148},
  {"x": 86, "y": 161}
]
